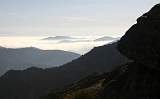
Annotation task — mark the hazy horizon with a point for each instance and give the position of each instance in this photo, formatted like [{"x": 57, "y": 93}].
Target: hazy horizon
[
  {"x": 71, "y": 17},
  {"x": 24, "y": 22},
  {"x": 81, "y": 45}
]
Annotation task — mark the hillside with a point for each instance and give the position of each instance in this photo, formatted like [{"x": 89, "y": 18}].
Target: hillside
[
  {"x": 88, "y": 87},
  {"x": 23, "y": 58},
  {"x": 35, "y": 82}
]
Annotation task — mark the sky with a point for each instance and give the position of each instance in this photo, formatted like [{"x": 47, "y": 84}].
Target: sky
[{"x": 70, "y": 17}]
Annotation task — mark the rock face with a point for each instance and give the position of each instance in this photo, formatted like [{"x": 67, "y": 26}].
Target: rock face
[
  {"x": 141, "y": 42},
  {"x": 140, "y": 79}
]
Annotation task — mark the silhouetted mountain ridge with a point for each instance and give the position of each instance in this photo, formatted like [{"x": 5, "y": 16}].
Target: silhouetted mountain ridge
[
  {"x": 34, "y": 83},
  {"x": 22, "y": 58}
]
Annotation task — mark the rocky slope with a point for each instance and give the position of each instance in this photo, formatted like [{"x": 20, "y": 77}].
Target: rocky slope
[{"x": 140, "y": 43}]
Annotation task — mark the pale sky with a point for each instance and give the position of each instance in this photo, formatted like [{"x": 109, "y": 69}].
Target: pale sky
[{"x": 70, "y": 17}]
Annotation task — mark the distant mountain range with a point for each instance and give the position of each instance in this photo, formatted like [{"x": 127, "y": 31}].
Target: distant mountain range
[
  {"x": 73, "y": 41},
  {"x": 69, "y": 39},
  {"x": 23, "y": 58},
  {"x": 35, "y": 82},
  {"x": 59, "y": 38},
  {"x": 105, "y": 38}
]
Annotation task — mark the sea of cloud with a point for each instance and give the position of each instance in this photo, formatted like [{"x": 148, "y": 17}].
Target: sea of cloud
[{"x": 78, "y": 44}]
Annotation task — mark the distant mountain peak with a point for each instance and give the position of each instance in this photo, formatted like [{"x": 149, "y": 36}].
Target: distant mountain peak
[
  {"x": 22, "y": 58},
  {"x": 58, "y": 38},
  {"x": 105, "y": 38},
  {"x": 28, "y": 48}
]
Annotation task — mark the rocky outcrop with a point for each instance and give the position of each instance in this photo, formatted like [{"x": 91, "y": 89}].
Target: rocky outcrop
[
  {"x": 141, "y": 41},
  {"x": 140, "y": 79}
]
